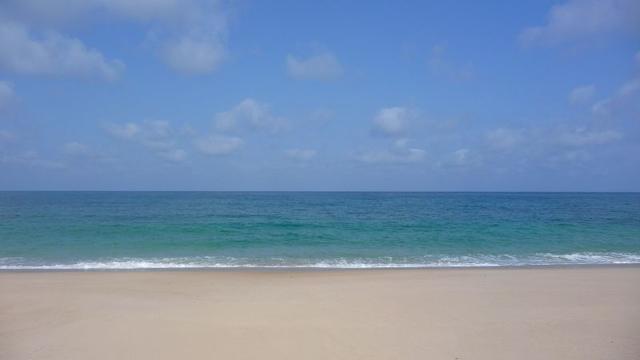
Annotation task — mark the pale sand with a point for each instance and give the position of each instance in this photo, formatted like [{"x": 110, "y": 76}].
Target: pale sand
[{"x": 569, "y": 313}]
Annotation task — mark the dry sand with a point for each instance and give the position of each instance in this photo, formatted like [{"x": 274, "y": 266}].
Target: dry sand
[{"x": 559, "y": 313}]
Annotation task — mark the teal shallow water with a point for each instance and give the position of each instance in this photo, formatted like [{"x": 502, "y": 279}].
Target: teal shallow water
[{"x": 86, "y": 230}]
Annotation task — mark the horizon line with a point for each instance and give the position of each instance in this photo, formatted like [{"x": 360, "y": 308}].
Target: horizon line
[{"x": 342, "y": 191}]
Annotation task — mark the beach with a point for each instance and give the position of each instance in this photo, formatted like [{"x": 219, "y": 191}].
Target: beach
[{"x": 489, "y": 313}]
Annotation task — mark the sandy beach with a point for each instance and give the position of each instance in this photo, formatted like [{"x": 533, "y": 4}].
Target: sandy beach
[{"x": 539, "y": 313}]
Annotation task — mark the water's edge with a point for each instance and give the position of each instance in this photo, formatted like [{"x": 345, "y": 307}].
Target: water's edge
[
  {"x": 323, "y": 270},
  {"x": 478, "y": 261}
]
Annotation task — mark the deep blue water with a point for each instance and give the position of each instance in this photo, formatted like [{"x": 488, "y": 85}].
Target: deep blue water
[{"x": 315, "y": 229}]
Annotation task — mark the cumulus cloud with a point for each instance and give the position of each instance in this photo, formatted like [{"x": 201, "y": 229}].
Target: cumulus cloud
[
  {"x": 142, "y": 9},
  {"x": 625, "y": 100},
  {"x": 59, "y": 12},
  {"x": 194, "y": 56},
  {"x": 510, "y": 139},
  {"x": 189, "y": 34},
  {"x": 218, "y": 144},
  {"x": 399, "y": 153},
  {"x": 323, "y": 66},
  {"x": 301, "y": 154},
  {"x": 392, "y": 157},
  {"x": 6, "y": 94},
  {"x": 625, "y": 95},
  {"x": 583, "y": 137},
  {"x": 157, "y": 136},
  {"x": 461, "y": 158},
  {"x": 548, "y": 146},
  {"x": 393, "y": 121},
  {"x": 123, "y": 131},
  {"x": 582, "y": 94},
  {"x": 584, "y": 19},
  {"x": 196, "y": 43},
  {"x": 251, "y": 113},
  {"x": 51, "y": 53}
]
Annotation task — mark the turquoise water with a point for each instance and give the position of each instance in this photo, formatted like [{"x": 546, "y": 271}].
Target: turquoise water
[{"x": 112, "y": 230}]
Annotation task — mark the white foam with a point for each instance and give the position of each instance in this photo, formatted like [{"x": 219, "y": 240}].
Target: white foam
[{"x": 430, "y": 261}]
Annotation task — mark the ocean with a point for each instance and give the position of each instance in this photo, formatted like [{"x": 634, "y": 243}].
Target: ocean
[{"x": 158, "y": 230}]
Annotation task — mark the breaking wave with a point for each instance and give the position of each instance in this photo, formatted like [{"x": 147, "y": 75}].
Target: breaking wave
[{"x": 430, "y": 261}]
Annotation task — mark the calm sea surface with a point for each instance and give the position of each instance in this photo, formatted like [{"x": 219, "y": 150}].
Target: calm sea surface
[{"x": 124, "y": 230}]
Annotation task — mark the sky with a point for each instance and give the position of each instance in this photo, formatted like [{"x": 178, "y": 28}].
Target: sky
[{"x": 320, "y": 95}]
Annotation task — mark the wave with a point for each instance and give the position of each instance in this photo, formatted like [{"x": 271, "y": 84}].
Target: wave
[{"x": 430, "y": 261}]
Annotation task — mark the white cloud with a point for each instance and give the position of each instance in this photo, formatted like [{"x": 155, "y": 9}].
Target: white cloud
[
  {"x": 547, "y": 146},
  {"x": 582, "y": 94},
  {"x": 584, "y": 19},
  {"x": 583, "y": 137},
  {"x": 619, "y": 100},
  {"x": 194, "y": 56},
  {"x": 407, "y": 156},
  {"x": 601, "y": 107},
  {"x": 157, "y": 136},
  {"x": 196, "y": 41},
  {"x": 218, "y": 144},
  {"x": 189, "y": 34},
  {"x": 399, "y": 153},
  {"x": 6, "y": 94},
  {"x": 123, "y": 131},
  {"x": 59, "y": 12},
  {"x": 625, "y": 100},
  {"x": 461, "y": 158},
  {"x": 252, "y": 113},
  {"x": 50, "y": 12},
  {"x": 392, "y": 121},
  {"x": 23, "y": 52},
  {"x": 629, "y": 88},
  {"x": 143, "y": 9},
  {"x": 512, "y": 139},
  {"x": 301, "y": 154},
  {"x": 324, "y": 66}
]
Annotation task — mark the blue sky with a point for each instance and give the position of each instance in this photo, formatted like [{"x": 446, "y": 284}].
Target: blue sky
[{"x": 308, "y": 95}]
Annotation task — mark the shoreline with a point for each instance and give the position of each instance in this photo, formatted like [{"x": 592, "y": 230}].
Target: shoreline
[
  {"x": 570, "y": 313},
  {"x": 260, "y": 269}
]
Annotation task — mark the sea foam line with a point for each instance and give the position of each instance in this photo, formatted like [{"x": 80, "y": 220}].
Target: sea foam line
[{"x": 542, "y": 259}]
